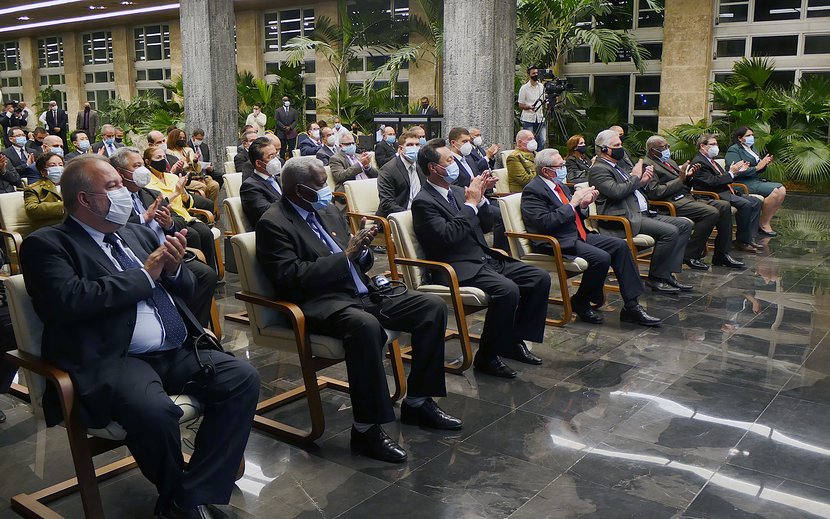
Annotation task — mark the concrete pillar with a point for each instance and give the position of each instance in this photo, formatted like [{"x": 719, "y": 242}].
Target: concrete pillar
[
  {"x": 209, "y": 72},
  {"x": 176, "y": 49},
  {"x": 687, "y": 60},
  {"x": 250, "y": 43},
  {"x": 325, "y": 72},
  {"x": 422, "y": 72},
  {"x": 74, "y": 74},
  {"x": 29, "y": 72},
  {"x": 123, "y": 62},
  {"x": 479, "y": 65}
]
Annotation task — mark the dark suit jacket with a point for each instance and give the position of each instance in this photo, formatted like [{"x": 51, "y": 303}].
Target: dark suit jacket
[
  {"x": 668, "y": 183},
  {"x": 242, "y": 162},
  {"x": 289, "y": 119},
  {"x": 307, "y": 145},
  {"x": 100, "y": 144},
  {"x": 737, "y": 153},
  {"x": 324, "y": 154},
  {"x": 711, "y": 177},
  {"x": 343, "y": 170},
  {"x": 577, "y": 169},
  {"x": 88, "y": 309},
  {"x": 544, "y": 213},
  {"x": 17, "y": 163},
  {"x": 479, "y": 154},
  {"x": 9, "y": 179},
  {"x": 301, "y": 267},
  {"x": 384, "y": 152},
  {"x": 7, "y": 122},
  {"x": 148, "y": 196},
  {"x": 616, "y": 197},
  {"x": 257, "y": 196},
  {"x": 203, "y": 149},
  {"x": 71, "y": 155},
  {"x": 394, "y": 186},
  {"x": 62, "y": 123},
  {"x": 464, "y": 177},
  {"x": 450, "y": 237},
  {"x": 429, "y": 111}
]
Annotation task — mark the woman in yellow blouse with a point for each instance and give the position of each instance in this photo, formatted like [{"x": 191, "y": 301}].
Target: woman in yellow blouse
[
  {"x": 177, "y": 146},
  {"x": 42, "y": 199}
]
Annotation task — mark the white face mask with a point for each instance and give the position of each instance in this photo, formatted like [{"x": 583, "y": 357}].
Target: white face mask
[
  {"x": 54, "y": 173},
  {"x": 330, "y": 141},
  {"x": 163, "y": 146},
  {"x": 466, "y": 149},
  {"x": 478, "y": 141},
  {"x": 197, "y": 143},
  {"x": 286, "y": 103},
  {"x": 274, "y": 167},
  {"x": 713, "y": 151},
  {"x": 315, "y": 134},
  {"x": 532, "y": 145},
  {"x": 141, "y": 176},
  {"x": 121, "y": 206}
]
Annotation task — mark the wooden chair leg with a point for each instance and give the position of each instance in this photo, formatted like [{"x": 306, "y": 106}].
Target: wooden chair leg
[
  {"x": 215, "y": 319},
  {"x": 239, "y": 317},
  {"x": 567, "y": 310},
  {"x": 220, "y": 265},
  {"x": 398, "y": 372}
]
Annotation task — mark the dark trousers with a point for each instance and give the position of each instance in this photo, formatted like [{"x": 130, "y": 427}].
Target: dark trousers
[
  {"x": 142, "y": 406},
  {"x": 200, "y": 202},
  {"x": 206, "y": 279},
  {"x": 499, "y": 238},
  {"x": 361, "y": 328},
  {"x": 288, "y": 146},
  {"x": 518, "y": 304},
  {"x": 706, "y": 216},
  {"x": 200, "y": 237},
  {"x": 746, "y": 220},
  {"x": 671, "y": 236},
  {"x": 602, "y": 252}
]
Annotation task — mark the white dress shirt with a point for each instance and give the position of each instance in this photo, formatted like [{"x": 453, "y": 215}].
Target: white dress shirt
[
  {"x": 414, "y": 180},
  {"x": 445, "y": 193}
]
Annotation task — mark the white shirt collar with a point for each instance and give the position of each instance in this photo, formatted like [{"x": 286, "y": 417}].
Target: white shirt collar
[
  {"x": 443, "y": 191},
  {"x": 95, "y": 234},
  {"x": 262, "y": 175},
  {"x": 550, "y": 183}
]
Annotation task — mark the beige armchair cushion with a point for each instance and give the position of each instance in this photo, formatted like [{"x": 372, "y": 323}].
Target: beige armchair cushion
[
  {"x": 362, "y": 195},
  {"x": 503, "y": 185},
  {"x": 233, "y": 182},
  {"x": 239, "y": 222}
]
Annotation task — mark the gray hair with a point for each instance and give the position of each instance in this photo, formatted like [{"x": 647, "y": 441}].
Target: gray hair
[
  {"x": 77, "y": 178},
  {"x": 299, "y": 170},
  {"x": 107, "y": 127},
  {"x": 544, "y": 159},
  {"x": 120, "y": 159},
  {"x": 529, "y": 134},
  {"x": 605, "y": 137},
  {"x": 653, "y": 141}
]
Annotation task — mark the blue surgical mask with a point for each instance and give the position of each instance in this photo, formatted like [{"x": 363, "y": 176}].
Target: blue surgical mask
[
  {"x": 390, "y": 139},
  {"x": 324, "y": 197},
  {"x": 561, "y": 173},
  {"x": 750, "y": 141},
  {"x": 54, "y": 173},
  {"x": 57, "y": 150},
  {"x": 422, "y": 141},
  {"x": 665, "y": 155},
  {"x": 351, "y": 149},
  {"x": 110, "y": 141},
  {"x": 452, "y": 172},
  {"x": 411, "y": 153},
  {"x": 83, "y": 145},
  {"x": 20, "y": 141}
]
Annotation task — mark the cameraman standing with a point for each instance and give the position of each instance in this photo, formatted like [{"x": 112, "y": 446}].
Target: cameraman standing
[{"x": 533, "y": 114}]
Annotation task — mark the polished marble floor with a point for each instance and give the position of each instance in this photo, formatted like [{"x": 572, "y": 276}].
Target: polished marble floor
[{"x": 724, "y": 412}]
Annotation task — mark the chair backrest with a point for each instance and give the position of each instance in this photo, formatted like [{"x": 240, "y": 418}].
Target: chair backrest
[
  {"x": 230, "y": 167},
  {"x": 330, "y": 179},
  {"x": 372, "y": 161},
  {"x": 407, "y": 246},
  {"x": 591, "y": 225},
  {"x": 230, "y": 152},
  {"x": 362, "y": 195},
  {"x": 13, "y": 215},
  {"x": 511, "y": 213},
  {"x": 503, "y": 184},
  {"x": 233, "y": 182},
  {"x": 28, "y": 332},
  {"x": 504, "y": 155},
  {"x": 236, "y": 215},
  {"x": 721, "y": 163},
  {"x": 295, "y": 153}
]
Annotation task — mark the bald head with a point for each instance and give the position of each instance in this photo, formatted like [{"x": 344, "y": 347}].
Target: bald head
[
  {"x": 618, "y": 130},
  {"x": 155, "y": 138},
  {"x": 301, "y": 178},
  {"x": 52, "y": 141},
  {"x": 522, "y": 138}
]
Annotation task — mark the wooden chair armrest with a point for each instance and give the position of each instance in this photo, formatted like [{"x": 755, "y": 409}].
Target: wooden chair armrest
[
  {"x": 667, "y": 205},
  {"x": 554, "y": 243},
  {"x": 201, "y": 213},
  {"x": 710, "y": 194},
  {"x": 53, "y": 374},
  {"x": 570, "y": 185},
  {"x": 290, "y": 310},
  {"x": 14, "y": 256},
  {"x": 619, "y": 219},
  {"x": 742, "y": 187}
]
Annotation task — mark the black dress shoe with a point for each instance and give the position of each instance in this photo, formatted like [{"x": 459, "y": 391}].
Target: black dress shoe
[
  {"x": 758, "y": 246},
  {"x": 697, "y": 264},
  {"x": 659, "y": 285},
  {"x": 522, "y": 354},
  {"x": 677, "y": 284},
  {"x": 199, "y": 512},
  {"x": 745, "y": 247},
  {"x": 430, "y": 415},
  {"x": 767, "y": 233},
  {"x": 2, "y": 417},
  {"x": 638, "y": 315},
  {"x": 493, "y": 366},
  {"x": 727, "y": 261},
  {"x": 590, "y": 316},
  {"x": 375, "y": 443}
]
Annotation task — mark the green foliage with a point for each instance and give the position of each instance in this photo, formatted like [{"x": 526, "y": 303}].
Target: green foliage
[
  {"x": 359, "y": 105},
  {"x": 251, "y": 91},
  {"x": 136, "y": 115}
]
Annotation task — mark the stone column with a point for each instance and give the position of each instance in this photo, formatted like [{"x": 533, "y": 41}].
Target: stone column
[
  {"x": 74, "y": 75},
  {"x": 209, "y": 72},
  {"x": 29, "y": 72},
  {"x": 123, "y": 62},
  {"x": 687, "y": 61},
  {"x": 325, "y": 73},
  {"x": 479, "y": 65},
  {"x": 250, "y": 47},
  {"x": 175, "y": 49}
]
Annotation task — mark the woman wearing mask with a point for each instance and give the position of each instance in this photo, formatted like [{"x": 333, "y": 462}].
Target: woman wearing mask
[
  {"x": 42, "y": 199},
  {"x": 577, "y": 160},
  {"x": 177, "y": 147},
  {"x": 172, "y": 187},
  {"x": 773, "y": 192}
]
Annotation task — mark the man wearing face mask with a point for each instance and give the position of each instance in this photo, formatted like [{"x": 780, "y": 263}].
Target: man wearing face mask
[
  {"x": 305, "y": 248},
  {"x": 11, "y": 117},
  {"x": 421, "y": 133},
  {"x": 107, "y": 142},
  {"x": 152, "y": 211},
  {"x": 242, "y": 161},
  {"x": 519, "y": 163},
  {"x": 401, "y": 178},
  {"x": 328, "y": 147},
  {"x": 113, "y": 305},
  {"x": 339, "y": 131},
  {"x": 88, "y": 121},
  {"x": 386, "y": 149},
  {"x": 486, "y": 157},
  {"x": 549, "y": 208},
  {"x": 287, "y": 119},
  {"x": 711, "y": 177},
  {"x": 309, "y": 142},
  {"x": 263, "y": 188},
  {"x": 81, "y": 143},
  {"x": 200, "y": 147},
  {"x": 450, "y": 223},
  {"x": 347, "y": 165},
  {"x": 56, "y": 121},
  {"x": 627, "y": 164},
  {"x": 532, "y": 104},
  {"x": 51, "y": 144},
  {"x": 18, "y": 156},
  {"x": 426, "y": 108}
]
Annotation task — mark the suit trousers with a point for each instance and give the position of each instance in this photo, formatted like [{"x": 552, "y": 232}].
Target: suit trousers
[
  {"x": 361, "y": 328},
  {"x": 142, "y": 406},
  {"x": 707, "y": 216},
  {"x": 671, "y": 236},
  {"x": 518, "y": 304},
  {"x": 288, "y": 146},
  {"x": 200, "y": 302},
  {"x": 746, "y": 220},
  {"x": 499, "y": 238},
  {"x": 199, "y": 236},
  {"x": 602, "y": 252}
]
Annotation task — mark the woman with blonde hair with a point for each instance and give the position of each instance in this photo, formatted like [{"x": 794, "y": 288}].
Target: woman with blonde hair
[{"x": 177, "y": 147}]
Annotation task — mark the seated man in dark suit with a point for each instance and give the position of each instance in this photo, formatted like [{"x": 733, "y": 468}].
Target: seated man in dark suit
[
  {"x": 309, "y": 142},
  {"x": 621, "y": 194},
  {"x": 486, "y": 157},
  {"x": 386, "y": 149},
  {"x": 261, "y": 189},
  {"x": 241, "y": 161},
  {"x": 450, "y": 223},
  {"x": 19, "y": 157},
  {"x": 672, "y": 184},
  {"x": 401, "y": 178},
  {"x": 548, "y": 208},
  {"x": 305, "y": 248},
  {"x": 329, "y": 147},
  {"x": 107, "y": 142},
  {"x": 711, "y": 177},
  {"x": 112, "y": 302},
  {"x": 151, "y": 210}
]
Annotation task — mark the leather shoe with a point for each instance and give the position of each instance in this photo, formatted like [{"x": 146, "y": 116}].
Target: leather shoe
[
  {"x": 522, "y": 354},
  {"x": 199, "y": 512},
  {"x": 659, "y": 285},
  {"x": 493, "y": 366},
  {"x": 727, "y": 261},
  {"x": 745, "y": 247},
  {"x": 758, "y": 246},
  {"x": 590, "y": 316},
  {"x": 638, "y": 315},
  {"x": 767, "y": 233},
  {"x": 429, "y": 415},
  {"x": 677, "y": 284},
  {"x": 375, "y": 443},
  {"x": 2, "y": 417},
  {"x": 697, "y": 264}
]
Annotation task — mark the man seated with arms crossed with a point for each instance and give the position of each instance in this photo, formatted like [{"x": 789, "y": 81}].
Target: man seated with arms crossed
[
  {"x": 672, "y": 184},
  {"x": 548, "y": 208},
  {"x": 711, "y": 177},
  {"x": 400, "y": 179},
  {"x": 261, "y": 189},
  {"x": 112, "y": 304},
  {"x": 621, "y": 194},
  {"x": 450, "y": 223},
  {"x": 304, "y": 247}
]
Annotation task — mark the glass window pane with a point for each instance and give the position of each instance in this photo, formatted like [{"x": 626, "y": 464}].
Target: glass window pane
[
  {"x": 101, "y": 77},
  {"x": 731, "y": 48},
  {"x": 375, "y": 62},
  {"x": 817, "y": 44},
  {"x": 647, "y": 84},
  {"x": 271, "y": 32},
  {"x": 580, "y": 55},
  {"x": 818, "y": 8},
  {"x": 646, "y": 122},
  {"x": 811, "y": 75},
  {"x": 308, "y": 23},
  {"x": 89, "y": 78},
  {"x": 155, "y": 74},
  {"x": 783, "y": 78},
  {"x": 646, "y": 101},
  {"x": 775, "y": 45},
  {"x": 621, "y": 15},
  {"x": 733, "y": 13},
  {"x": 310, "y": 66},
  {"x": 723, "y": 77},
  {"x": 655, "y": 50},
  {"x": 290, "y": 24},
  {"x": 615, "y": 91},
  {"x": 579, "y": 83},
  {"x": 141, "y": 75},
  {"x": 771, "y": 10}
]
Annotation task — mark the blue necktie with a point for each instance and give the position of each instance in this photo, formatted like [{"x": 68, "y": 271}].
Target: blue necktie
[
  {"x": 175, "y": 331},
  {"x": 453, "y": 201},
  {"x": 335, "y": 248}
]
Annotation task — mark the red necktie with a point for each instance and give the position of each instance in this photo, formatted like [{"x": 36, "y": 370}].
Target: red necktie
[
  {"x": 717, "y": 168},
  {"x": 564, "y": 198}
]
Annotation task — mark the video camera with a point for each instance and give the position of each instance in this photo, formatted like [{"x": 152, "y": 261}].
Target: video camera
[{"x": 554, "y": 86}]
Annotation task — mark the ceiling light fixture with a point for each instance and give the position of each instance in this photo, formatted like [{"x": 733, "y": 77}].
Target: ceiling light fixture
[
  {"x": 77, "y": 19},
  {"x": 36, "y": 5}
]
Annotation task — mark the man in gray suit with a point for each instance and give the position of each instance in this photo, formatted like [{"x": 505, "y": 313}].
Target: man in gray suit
[
  {"x": 347, "y": 165},
  {"x": 622, "y": 194},
  {"x": 329, "y": 147},
  {"x": 287, "y": 119},
  {"x": 88, "y": 122}
]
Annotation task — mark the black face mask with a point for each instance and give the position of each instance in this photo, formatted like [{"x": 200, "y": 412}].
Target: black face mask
[
  {"x": 617, "y": 153},
  {"x": 534, "y": 78},
  {"x": 181, "y": 143},
  {"x": 159, "y": 165},
  {"x": 582, "y": 149},
  {"x": 118, "y": 139},
  {"x": 622, "y": 138}
]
